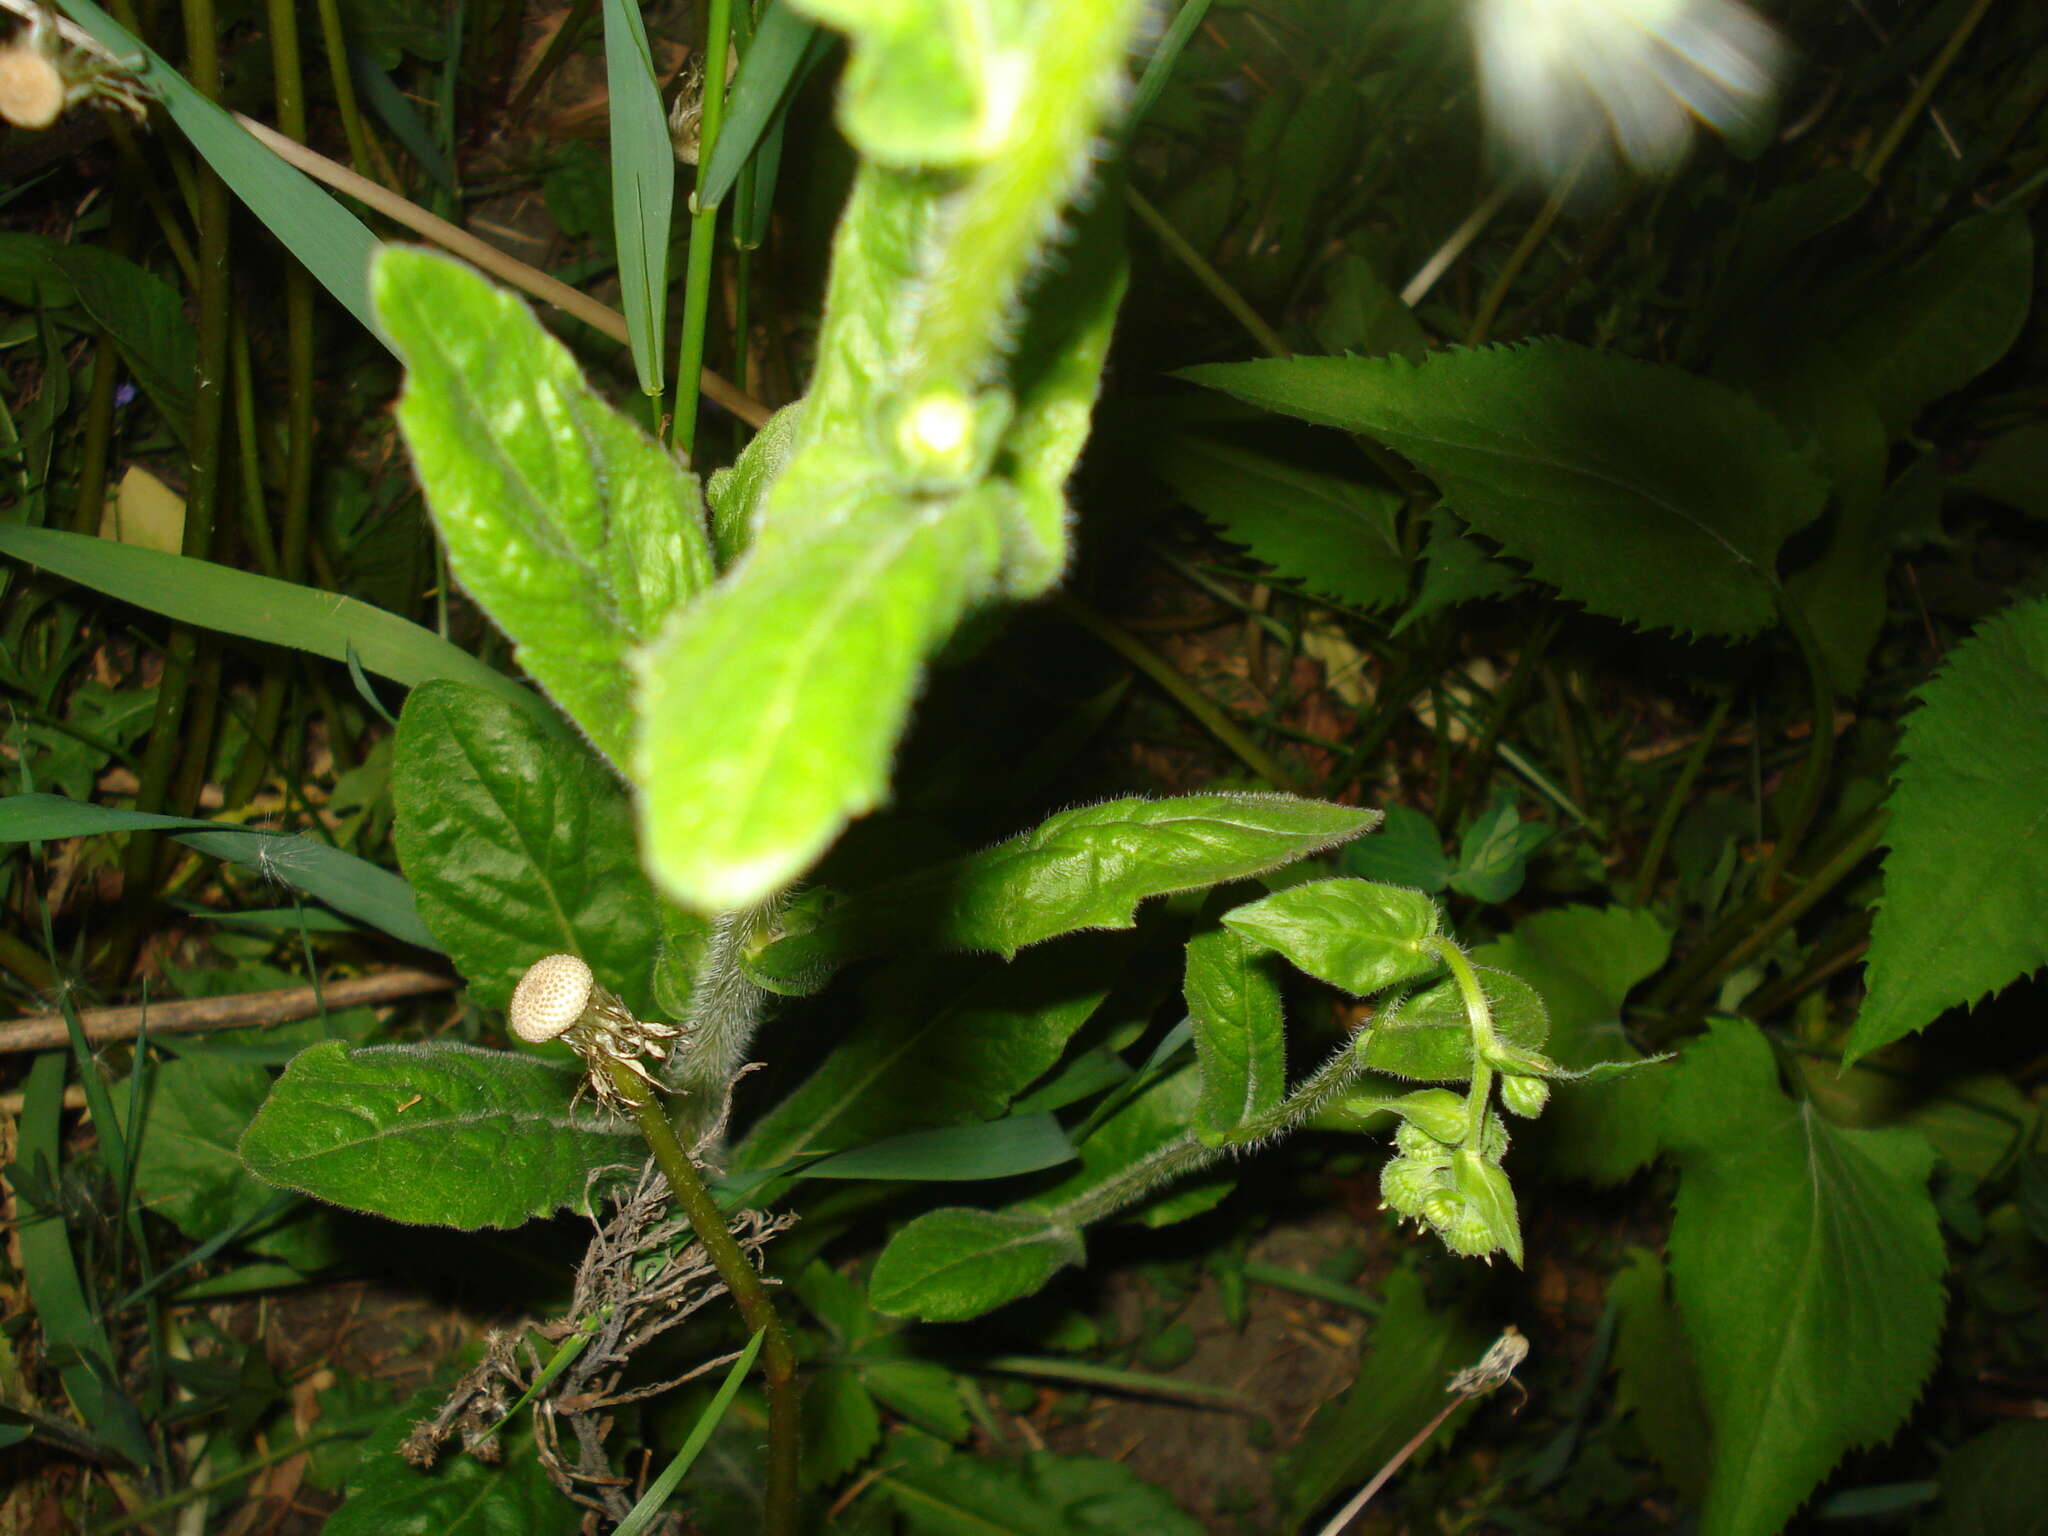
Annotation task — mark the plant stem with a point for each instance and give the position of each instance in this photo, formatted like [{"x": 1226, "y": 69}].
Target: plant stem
[
  {"x": 1874, "y": 165},
  {"x": 1198, "y": 266},
  {"x": 1820, "y": 754},
  {"x": 1185, "y": 693},
  {"x": 1479, "y": 1018},
  {"x": 749, "y": 1294},
  {"x": 1674, "y": 803},
  {"x": 703, "y": 231}
]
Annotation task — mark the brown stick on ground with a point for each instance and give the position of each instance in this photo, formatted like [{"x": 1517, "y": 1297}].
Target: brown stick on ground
[{"x": 45, "y": 1031}]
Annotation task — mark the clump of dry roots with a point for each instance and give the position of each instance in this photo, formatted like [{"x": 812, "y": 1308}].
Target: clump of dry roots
[{"x": 642, "y": 1275}]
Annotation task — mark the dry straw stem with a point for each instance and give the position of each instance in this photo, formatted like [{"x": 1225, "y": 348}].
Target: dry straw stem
[
  {"x": 529, "y": 280},
  {"x": 45, "y": 1031}
]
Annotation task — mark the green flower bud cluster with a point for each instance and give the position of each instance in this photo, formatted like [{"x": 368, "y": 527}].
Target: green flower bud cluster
[{"x": 1460, "y": 1193}]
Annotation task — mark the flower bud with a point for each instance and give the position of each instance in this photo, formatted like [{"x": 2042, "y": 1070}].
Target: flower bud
[{"x": 1524, "y": 1096}]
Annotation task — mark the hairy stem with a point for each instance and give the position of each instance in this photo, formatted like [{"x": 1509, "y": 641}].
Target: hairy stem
[{"x": 749, "y": 1295}]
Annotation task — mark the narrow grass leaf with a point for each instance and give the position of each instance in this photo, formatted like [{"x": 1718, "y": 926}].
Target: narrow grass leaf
[
  {"x": 259, "y": 608},
  {"x": 328, "y": 240},
  {"x": 786, "y": 47},
  {"x": 643, "y": 1514},
  {"x": 348, "y": 884},
  {"x": 1000, "y": 1149},
  {"x": 643, "y": 185}
]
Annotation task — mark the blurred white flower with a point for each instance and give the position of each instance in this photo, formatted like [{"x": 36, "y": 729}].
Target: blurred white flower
[{"x": 1570, "y": 83}]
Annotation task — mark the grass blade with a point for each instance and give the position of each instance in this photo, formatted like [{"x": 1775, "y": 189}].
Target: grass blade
[
  {"x": 262, "y": 608},
  {"x": 641, "y": 1516},
  {"x": 643, "y": 185},
  {"x": 328, "y": 240},
  {"x": 785, "y": 48}
]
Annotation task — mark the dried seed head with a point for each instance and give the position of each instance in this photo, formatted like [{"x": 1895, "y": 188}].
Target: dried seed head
[
  {"x": 32, "y": 89},
  {"x": 554, "y": 994}
]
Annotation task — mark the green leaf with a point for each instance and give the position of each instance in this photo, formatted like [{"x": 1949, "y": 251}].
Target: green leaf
[
  {"x": 1406, "y": 850},
  {"x": 439, "y": 1135},
  {"x": 1642, "y": 492},
  {"x": 923, "y": 1391},
  {"x": 785, "y": 47},
  {"x": 1994, "y": 1484},
  {"x": 643, "y": 185},
  {"x": 735, "y": 492},
  {"x": 462, "y": 1496},
  {"x": 576, "y": 532},
  {"x": 258, "y": 608},
  {"x": 955, "y": 1263},
  {"x": 1655, "y": 1379},
  {"x": 518, "y": 844},
  {"x": 1455, "y": 570},
  {"x": 143, "y": 316},
  {"x": 1334, "y": 536},
  {"x": 1428, "y": 1038},
  {"x": 1928, "y": 331},
  {"x": 840, "y": 1425},
  {"x": 943, "y": 1039},
  {"x": 1085, "y": 868},
  {"x": 1054, "y": 374},
  {"x": 346, "y": 883},
  {"x": 1966, "y": 867},
  {"x": 1233, "y": 1001},
  {"x": 1583, "y": 961},
  {"x": 1400, "y": 1387},
  {"x": 1351, "y": 933},
  {"x": 955, "y": 1154},
  {"x": 326, "y": 238},
  {"x": 771, "y": 707},
  {"x": 1808, "y": 1266},
  {"x": 1040, "y": 1495},
  {"x": 186, "y": 1167},
  {"x": 1493, "y": 858}
]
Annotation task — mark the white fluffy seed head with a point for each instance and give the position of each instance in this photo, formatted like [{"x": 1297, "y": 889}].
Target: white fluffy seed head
[{"x": 551, "y": 996}]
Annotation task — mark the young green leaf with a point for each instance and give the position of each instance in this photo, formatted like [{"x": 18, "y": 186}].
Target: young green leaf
[
  {"x": 1644, "y": 493},
  {"x": 1334, "y": 536},
  {"x": 770, "y": 708},
  {"x": 1351, "y": 933},
  {"x": 1582, "y": 961},
  {"x": 1966, "y": 871},
  {"x": 1808, "y": 1266},
  {"x": 1493, "y": 858},
  {"x": 1406, "y": 850},
  {"x": 519, "y": 844},
  {"x": 945, "y": 1039},
  {"x": 955, "y": 1263},
  {"x": 387, "y": 1496},
  {"x": 841, "y": 1425},
  {"x": 1085, "y": 868},
  {"x": 575, "y": 531},
  {"x": 1233, "y": 1000},
  {"x": 438, "y": 1135},
  {"x": 1428, "y": 1038}
]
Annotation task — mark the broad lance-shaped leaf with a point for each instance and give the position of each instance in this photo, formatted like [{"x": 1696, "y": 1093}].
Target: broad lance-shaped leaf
[
  {"x": 1353, "y": 934},
  {"x": 1334, "y": 536},
  {"x": 1085, "y": 868},
  {"x": 1643, "y": 492},
  {"x": 770, "y": 709},
  {"x": 955, "y": 1263},
  {"x": 519, "y": 844},
  {"x": 944, "y": 1039},
  {"x": 1808, "y": 1262},
  {"x": 1233, "y": 999},
  {"x": 1966, "y": 874},
  {"x": 438, "y": 1135},
  {"x": 574, "y": 530}
]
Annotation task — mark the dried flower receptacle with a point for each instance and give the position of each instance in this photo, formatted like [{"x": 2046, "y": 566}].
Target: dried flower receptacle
[{"x": 559, "y": 999}]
